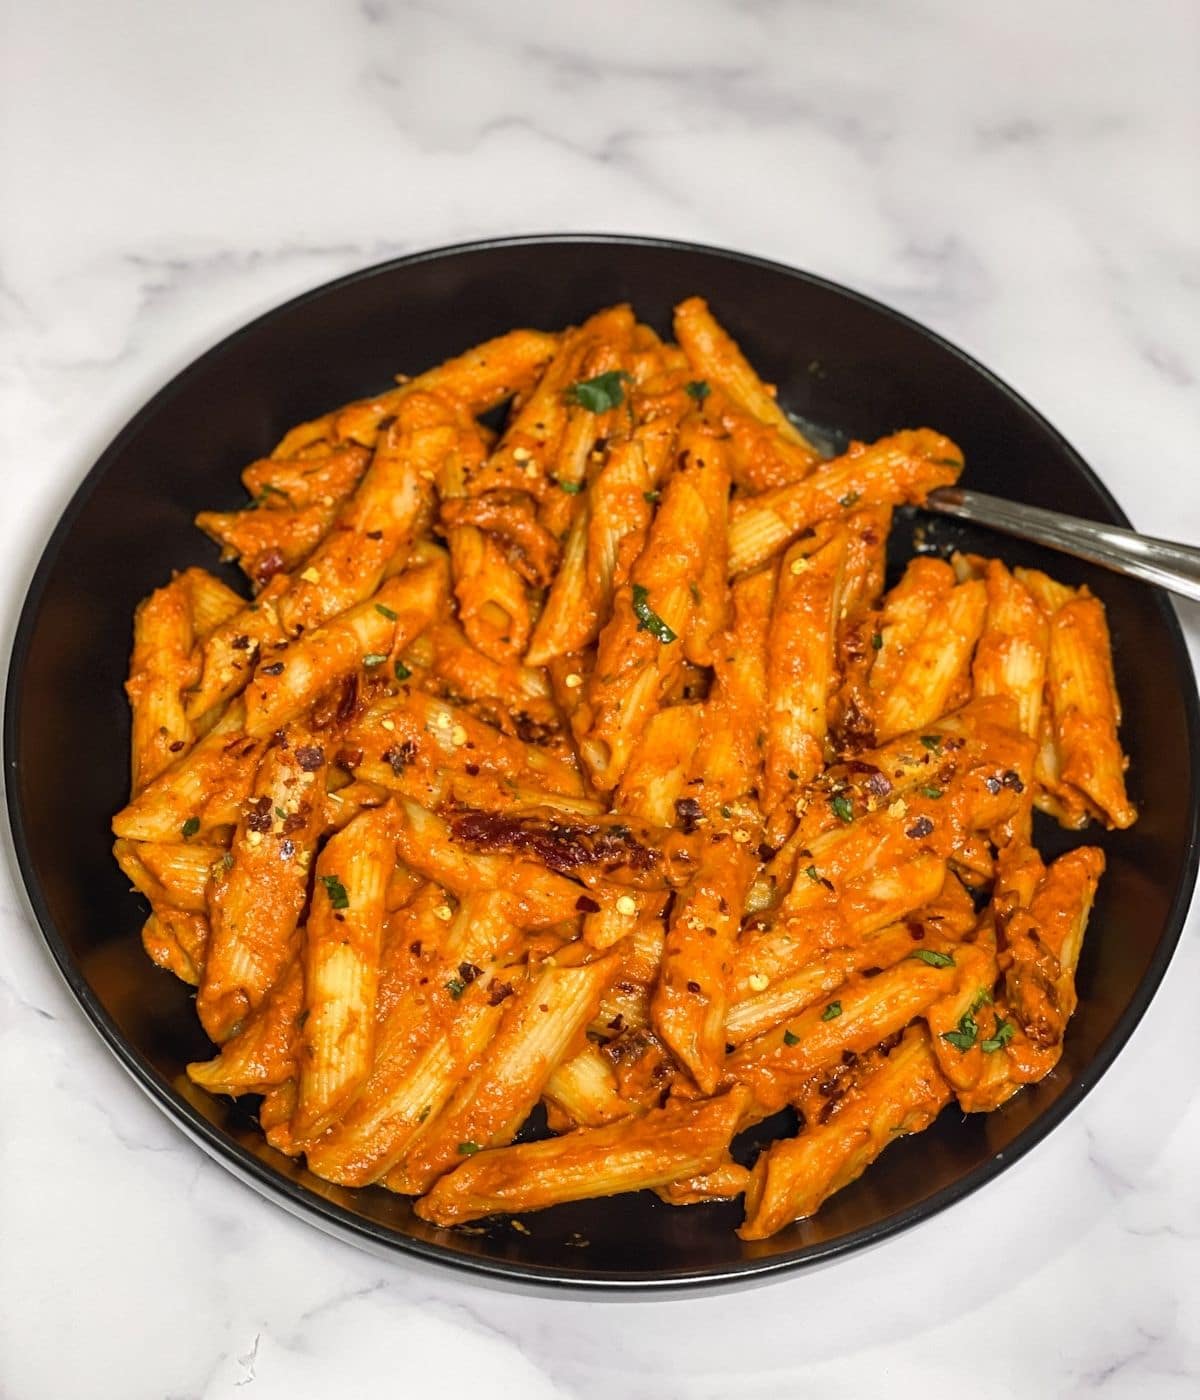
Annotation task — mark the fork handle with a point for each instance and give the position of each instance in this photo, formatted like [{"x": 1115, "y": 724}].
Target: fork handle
[{"x": 1169, "y": 565}]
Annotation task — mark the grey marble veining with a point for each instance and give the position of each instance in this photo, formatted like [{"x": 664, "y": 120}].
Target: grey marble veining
[{"x": 1021, "y": 177}]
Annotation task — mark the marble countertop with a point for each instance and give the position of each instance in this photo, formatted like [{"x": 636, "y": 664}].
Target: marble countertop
[{"x": 1020, "y": 177}]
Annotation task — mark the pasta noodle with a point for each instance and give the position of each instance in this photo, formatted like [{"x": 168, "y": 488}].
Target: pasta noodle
[{"x": 590, "y": 763}]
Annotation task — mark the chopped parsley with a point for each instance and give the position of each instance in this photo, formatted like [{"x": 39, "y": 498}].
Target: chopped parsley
[
  {"x": 648, "y": 619},
  {"x": 402, "y": 671},
  {"x": 338, "y": 898},
  {"x": 832, "y": 1011},
  {"x": 601, "y": 393},
  {"x": 697, "y": 389},
  {"x": 841, "y": 807},
  {"x": 790, "y": 1039},
  {"x": 694, "y": 590},
  {"x": 877, "y": 641},
  {"x": 933, "y": 792},
  {"x": 652, "y": 496},
  {"x": 1004, "y": 1032},
  {"x": 572, "y": 488},
  {"x": 281, "y": 814},
  {"x": 932, "y": 957},
  {"x": 267, "y": 491},
  {"x": 849, "y": 499},
  {"x": 933, "y": 742},
  {"x": 469, "y": 1149},
  {"x": 375, "y": 658},
  {"x": 456, "y": 987},
  {"x": 386, "y": 611},
  {"x": 813, "y": 874},
  {"x": 227, "y": 861},
  {"x": 190, "y": 828},
  {"x": 965, "y": 1036}
]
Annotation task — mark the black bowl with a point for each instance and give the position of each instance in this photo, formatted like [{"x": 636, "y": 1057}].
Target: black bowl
[{"x": 840, "y": 361}]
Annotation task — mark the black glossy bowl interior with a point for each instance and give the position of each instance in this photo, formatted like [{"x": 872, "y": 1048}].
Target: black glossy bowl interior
[{"x": 841, "y": 362}]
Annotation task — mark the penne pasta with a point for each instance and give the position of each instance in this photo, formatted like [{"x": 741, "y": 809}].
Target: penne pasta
[
  {"x": 575, "y": 774},
  {"x": 679, "y": 1141},
  {"x": 342, "y": 944},
  {"x": 257, "y": 895}
]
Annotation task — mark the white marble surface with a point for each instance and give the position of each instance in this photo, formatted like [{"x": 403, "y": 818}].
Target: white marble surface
[{"x": 1020, "y": 176}]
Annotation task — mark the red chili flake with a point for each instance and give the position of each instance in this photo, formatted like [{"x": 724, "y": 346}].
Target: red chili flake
[
  {"x": 1011, "y": 780},
  {"x": 349, "y": 699},
  {"x": 310, "y": 757},
  {"x": 468, "y": 971},
  {"x": 921, "y": 827},
  {"x": 878, "y": 785},
  {"x": 497, "y": 992},
  {"x": 348, "y": 758},
  {"x": 688, "y": 814},
  {"x": 274, "y": 669},
  {"x": 471, "y": 770},
  {"x": 374, "y": 534},
  {"x": 399, "y": 757},
  {"x": 176, "y": 746},
  {"x": 587, "y": 905},
  {"x": 241, "y": 643},
  {"x": 267, "y": 565},
  {"x": 295, "y": 820},
  {"x": 694, "y": 988},
  {"x": 258, "y": 815},
  {"x": 415, "y": 948}
]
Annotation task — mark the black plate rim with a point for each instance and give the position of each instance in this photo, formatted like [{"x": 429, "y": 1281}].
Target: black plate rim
[{"x": 343, "y": 1223}]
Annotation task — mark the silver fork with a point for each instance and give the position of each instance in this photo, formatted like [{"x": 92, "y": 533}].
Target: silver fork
[{"x": 1163, "y": 562}]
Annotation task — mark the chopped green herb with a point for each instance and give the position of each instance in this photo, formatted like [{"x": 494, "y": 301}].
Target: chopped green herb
[
  {"x": 694, "y": 590},
  {"x": 281, "y": 814},
  {"x": 469, "y": 1149},
  {"x": 841, "y": 807},
  {"x": 599, "y": 394},
  {"x": 386, "y": 611},
  {"x": 932, "y": 957},
  {"x": 813, "y": 874},
  {"x": 572, "y": 488},
  {"x": 456, "y": 987},
  {"x": 269, "y": 490},
  {"x": 793, "y": 775},
  {"x": 648, "y": 619},
  {"x": 932, "y": 741},
  {"x": 338, "y": 898},
  {"x": 375, "y": 658},
  {"x": 652, "y": 496},
  {"x": 848, "y": 499},
  {"x": 832, "y": 1011},
  {"x": 727, "y": 812},
  {"x": 790, "y": 1039},
  {"x": 227, "y": 861},
  {"x": 1004, "y": 1032},
  {"x": 190, "y": 828},
  {"x": 933, "y": 792},
  {"x": 877, "y": 641},
  {"x": 402, "y": 671},
  {"x": 982, "y": 998},
  {"x": 424, "y": 1113},
  {"x": 697, "y": 389},
  {"x": 966, "y": 1034}
]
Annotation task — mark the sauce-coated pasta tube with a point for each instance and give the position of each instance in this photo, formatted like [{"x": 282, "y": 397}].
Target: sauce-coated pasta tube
[{"x": 681, "y": 1140}]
